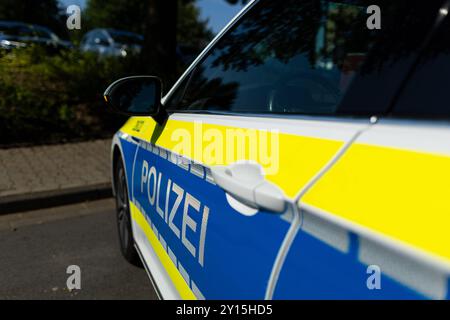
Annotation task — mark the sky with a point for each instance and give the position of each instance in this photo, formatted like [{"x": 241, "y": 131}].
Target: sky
[{"x": 219, "y": 12}]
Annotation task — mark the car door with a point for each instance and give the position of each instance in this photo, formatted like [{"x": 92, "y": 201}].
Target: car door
[
  {"x": 262, "y": 98},
  {"x": 375, "y": 225}
]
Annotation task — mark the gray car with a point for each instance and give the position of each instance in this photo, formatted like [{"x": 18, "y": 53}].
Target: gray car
[
  {"x": 14, "y": 34},
  {"x": 111, "y": 42}
]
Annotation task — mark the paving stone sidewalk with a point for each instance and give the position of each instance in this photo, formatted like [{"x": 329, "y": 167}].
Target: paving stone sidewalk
[{"x": 46, "y": 171}]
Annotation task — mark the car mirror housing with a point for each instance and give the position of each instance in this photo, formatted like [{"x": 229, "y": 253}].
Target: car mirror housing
[{"x": 136, "y": 96}]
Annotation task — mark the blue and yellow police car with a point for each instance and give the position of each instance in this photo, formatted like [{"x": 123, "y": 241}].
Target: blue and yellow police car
[{"x": 305, "y": 154}]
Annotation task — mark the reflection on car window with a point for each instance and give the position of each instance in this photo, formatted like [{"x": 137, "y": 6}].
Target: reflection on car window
[
  {"x": 302, "y": 57},
  {"x": 426, "y": 93}
]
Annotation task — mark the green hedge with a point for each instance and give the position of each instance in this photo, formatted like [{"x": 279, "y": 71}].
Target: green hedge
[{"x": 53, "y": 98}]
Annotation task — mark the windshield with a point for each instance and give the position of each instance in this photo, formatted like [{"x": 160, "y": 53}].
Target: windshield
[{"x": 308, "y": 57}]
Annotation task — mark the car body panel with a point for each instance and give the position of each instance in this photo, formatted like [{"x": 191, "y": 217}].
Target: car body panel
[
  {"x": 384, "y": 202},
  {"x": 304, "y": 151},
  {"x": 323, "y": 263},
  {"x": 407, "y": 166},
  {"x": 200, "y": 255},
  {"x": 305, "y": 148}
]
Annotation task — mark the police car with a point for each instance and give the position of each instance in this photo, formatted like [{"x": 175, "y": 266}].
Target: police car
[{"x": 305, "y": 154}]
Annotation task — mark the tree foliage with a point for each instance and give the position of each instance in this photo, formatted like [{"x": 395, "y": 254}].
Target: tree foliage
[
  {"x": 55, "y": 98},
  {"x": 131, "y": 15},
  {"x": 164, "y": 24}
]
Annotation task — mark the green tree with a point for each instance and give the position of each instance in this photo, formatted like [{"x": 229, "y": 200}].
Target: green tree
[
  {"x": 191, "y": 30},
  {"x": 131, "y": 15},
  {"x": 164, "y": 24},
  {"x": 126, "y": 15},
  {"x": 161, "y": 33}
]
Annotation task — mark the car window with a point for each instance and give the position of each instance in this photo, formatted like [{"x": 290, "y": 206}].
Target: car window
[
  {"x": 426, "y": 93},
  {"x": 302, "y": 57}
]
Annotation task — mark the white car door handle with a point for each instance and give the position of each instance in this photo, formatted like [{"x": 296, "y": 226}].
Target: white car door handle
[{"x": 246, "y": 183}]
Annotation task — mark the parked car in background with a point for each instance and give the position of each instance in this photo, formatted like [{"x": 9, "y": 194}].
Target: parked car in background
[
  {"x": 119, "y": 43},
  {"x": 112, "y": 42},
  {"x": 14, "y": 34}
]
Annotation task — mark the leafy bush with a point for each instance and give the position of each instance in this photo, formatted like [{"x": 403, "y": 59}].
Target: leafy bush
[{"x": 56, "y": 98}]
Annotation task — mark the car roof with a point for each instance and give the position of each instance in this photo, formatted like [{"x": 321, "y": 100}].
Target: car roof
[
  {"x": 115, "y": 31},
  {"x": 23, "y": 24},
  {"x": 13, "y": 23},
  {"x": 123, "y": 32}
]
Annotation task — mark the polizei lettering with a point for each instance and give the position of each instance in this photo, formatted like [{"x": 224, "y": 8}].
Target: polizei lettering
[{"x": 171, "y": 201}]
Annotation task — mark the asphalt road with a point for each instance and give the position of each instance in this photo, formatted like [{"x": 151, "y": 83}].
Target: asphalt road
[{"x": 37, "y": 247}]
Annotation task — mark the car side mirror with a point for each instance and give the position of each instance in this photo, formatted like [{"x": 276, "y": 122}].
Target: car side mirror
[{"x": 137, "y": 96}]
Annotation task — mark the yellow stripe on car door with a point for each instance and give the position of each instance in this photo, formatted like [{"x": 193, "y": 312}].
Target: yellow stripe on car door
[
  {"x": 399, "y": 193},
  {"x": 298, "y": 158}
]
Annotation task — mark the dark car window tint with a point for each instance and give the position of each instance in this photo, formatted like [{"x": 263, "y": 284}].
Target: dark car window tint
[
  {"x": 177, "y": 97},
  {"x": 303, "y": 56},
  {"x": 426, "y": 95}
]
